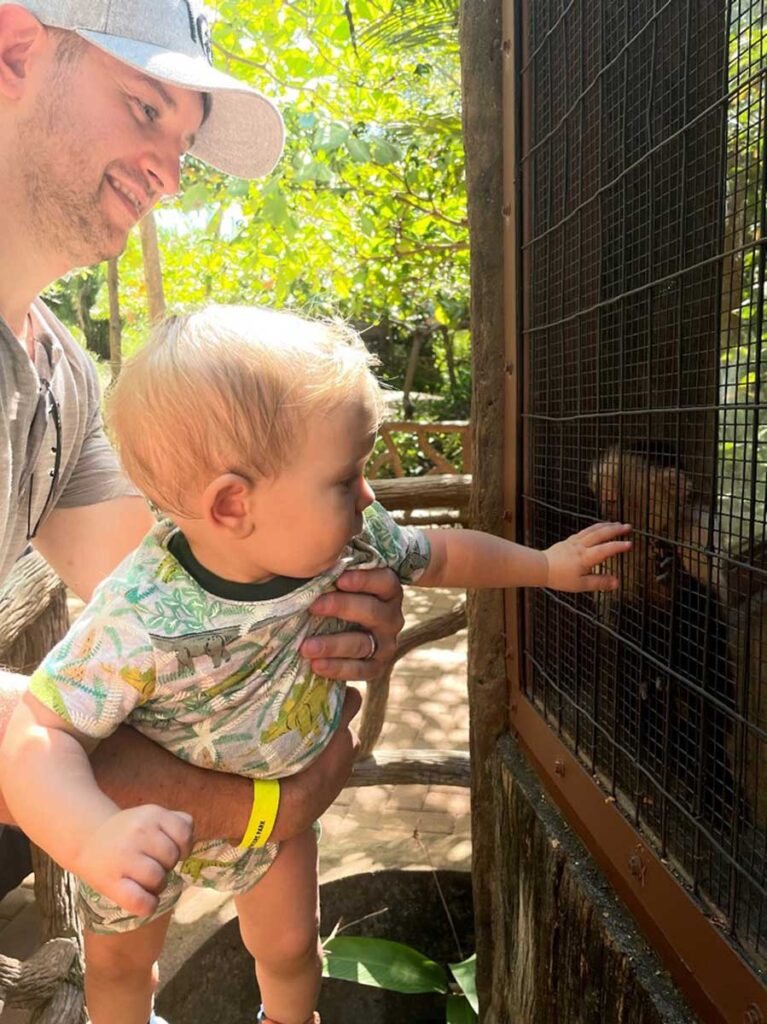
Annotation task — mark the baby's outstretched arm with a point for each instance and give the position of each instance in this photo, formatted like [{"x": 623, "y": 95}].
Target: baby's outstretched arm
[
  {"x": 49, "y": 787},
  {"x": 467, "y": 558}
]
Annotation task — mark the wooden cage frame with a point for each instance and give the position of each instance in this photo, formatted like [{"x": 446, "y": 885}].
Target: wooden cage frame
[{"x": 718, "y": 983}]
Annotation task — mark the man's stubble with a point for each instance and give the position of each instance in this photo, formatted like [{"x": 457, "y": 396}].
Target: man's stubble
[{"x": 63, "y": 186}]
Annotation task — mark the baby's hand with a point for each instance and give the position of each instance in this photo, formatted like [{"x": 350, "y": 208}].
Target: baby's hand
[
  {"x": 128, "y": 857},
  {"x": 571, "y": 561}
]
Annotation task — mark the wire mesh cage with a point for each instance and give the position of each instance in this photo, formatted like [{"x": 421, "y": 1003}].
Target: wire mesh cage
[{"x": 643, "y": 191}]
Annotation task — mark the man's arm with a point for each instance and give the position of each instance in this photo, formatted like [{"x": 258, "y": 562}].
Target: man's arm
[
  {"x": 85, "y": 544},
  {"x": 132, "y": 770},
  {"x": 220, "y": 803}
]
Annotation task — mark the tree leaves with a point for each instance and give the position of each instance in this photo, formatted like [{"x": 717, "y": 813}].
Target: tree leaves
[{"x": 365, "y": 216}]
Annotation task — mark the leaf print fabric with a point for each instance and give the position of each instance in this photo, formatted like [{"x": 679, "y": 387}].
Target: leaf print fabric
[{"x": 219, "y": 683}]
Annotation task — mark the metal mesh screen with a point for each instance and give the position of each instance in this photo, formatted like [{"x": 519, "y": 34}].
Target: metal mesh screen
[{"x": 643, "y": 200}]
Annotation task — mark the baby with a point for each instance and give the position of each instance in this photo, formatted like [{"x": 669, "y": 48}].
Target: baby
[{"x": 249, "y": 430}]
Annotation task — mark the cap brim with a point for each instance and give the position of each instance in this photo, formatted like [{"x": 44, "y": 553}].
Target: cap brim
[{"x": 243, "y": 133}]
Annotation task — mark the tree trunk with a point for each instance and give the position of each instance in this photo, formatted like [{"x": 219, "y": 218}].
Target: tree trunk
[
  {"x": 448, "y": 342},
  {"x": 412, "y": 366},
  {"x": 152, "y": 267},
  {"x": 115, "y": 325},
  {"x": 96, "y": 331}
]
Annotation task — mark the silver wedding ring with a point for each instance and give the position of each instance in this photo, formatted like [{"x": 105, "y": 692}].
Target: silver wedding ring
[{"x": 373, "y": 647}]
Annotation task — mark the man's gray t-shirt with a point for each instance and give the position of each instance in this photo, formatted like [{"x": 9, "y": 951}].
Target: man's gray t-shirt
[
  {"x": 51, "y": 456},
  {"x": 53, "y": 451}
]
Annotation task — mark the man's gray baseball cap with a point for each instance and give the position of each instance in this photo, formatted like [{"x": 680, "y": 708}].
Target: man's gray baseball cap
[{"x": 243, "y": 133}]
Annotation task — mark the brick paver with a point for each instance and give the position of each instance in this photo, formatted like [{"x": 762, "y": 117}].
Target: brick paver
[{"x": 405, "y": 826}]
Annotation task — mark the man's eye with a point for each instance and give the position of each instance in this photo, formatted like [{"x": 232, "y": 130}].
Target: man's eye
[{"x": 150, "y": 113}]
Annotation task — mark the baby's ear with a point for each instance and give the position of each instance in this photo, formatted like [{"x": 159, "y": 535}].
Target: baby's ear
[{"x": 226, "y": 504}]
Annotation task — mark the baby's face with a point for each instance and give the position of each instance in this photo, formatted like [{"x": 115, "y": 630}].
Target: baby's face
[{"x": 308, "y": 513}]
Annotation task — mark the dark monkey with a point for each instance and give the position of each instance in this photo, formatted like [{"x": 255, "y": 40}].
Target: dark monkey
[{"x": 674, "y": 663}]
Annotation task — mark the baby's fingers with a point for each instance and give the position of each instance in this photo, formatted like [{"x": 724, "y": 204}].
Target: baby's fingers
[
  {"x": 129, "y": 895},
  {"x": 597, "y": 555},
  {"x": 599, "y": 581},
  {"x": 178, "y": 827},
  {"x": 600, "y": 533}
]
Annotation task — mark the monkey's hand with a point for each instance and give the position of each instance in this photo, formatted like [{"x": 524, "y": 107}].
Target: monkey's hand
[{"x": 571, "y": 562}]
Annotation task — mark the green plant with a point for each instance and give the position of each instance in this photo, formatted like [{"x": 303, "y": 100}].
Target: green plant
[{"x": 381, "y": 963}]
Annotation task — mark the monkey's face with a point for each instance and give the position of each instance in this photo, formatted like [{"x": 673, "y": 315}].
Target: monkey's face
[
  {"x": 628, "y": 487},
  {"x": 604, "y": 480}
]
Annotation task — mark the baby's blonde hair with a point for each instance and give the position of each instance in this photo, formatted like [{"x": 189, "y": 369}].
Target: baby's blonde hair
[{"x": 229, "y": 389}]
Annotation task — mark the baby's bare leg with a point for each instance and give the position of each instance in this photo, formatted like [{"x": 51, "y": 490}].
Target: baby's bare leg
[
  {"x": 121, "y": 973},
  {"x": 279, "y": 922}
]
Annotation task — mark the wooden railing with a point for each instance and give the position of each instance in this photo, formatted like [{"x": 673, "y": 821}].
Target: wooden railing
[
  {"x": 424, "y": 433},
  {"x": 34, "y": 617},
  {"x": 447, "y": 767}
]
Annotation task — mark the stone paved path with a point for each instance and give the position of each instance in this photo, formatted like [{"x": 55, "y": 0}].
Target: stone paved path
[{"x": 376, "y": 827}]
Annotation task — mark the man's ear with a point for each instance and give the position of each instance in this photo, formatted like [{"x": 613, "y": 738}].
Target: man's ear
[
  {"x": 226, "y": 503},
  {"x": 22, "y": 37}
]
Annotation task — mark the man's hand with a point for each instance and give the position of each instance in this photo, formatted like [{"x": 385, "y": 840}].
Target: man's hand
[
  {"x": 373, "y": 599},
  {"x": 128, "y": 857}
]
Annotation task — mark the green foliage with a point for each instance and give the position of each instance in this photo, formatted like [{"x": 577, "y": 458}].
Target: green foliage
[
  {"x": 459, "y": 1011},
  {"x": 395, "y": 967},
  {"x": 382, "y": 964},
  {"x": 465, "y": 974},
  {"x": 399, "y": 29},
  {"x": 365, "y": 215},
  {"x": 742, "y": 455}
]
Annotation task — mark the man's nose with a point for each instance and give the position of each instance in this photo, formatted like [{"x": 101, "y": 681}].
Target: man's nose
[{"x": 163, "y": 168}]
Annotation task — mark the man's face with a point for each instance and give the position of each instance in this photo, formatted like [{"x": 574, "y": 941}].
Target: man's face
[{"x": 99, "y": 147}]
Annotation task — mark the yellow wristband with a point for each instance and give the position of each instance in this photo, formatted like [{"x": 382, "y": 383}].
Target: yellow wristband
[{"x": 263, "y": 814}]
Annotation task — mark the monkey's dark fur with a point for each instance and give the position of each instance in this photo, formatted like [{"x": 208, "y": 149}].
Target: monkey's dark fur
[{"x": 674, "y": 671}]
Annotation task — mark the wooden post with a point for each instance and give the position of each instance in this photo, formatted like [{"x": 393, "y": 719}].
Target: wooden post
[{"x": 481, "y": 56}]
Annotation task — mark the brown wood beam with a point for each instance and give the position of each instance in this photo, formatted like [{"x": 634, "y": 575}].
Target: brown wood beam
[
  {"x": 406, "y": 493},
  {"x": 409, "y": 767},
  {"x": 481, "y": 59}
]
